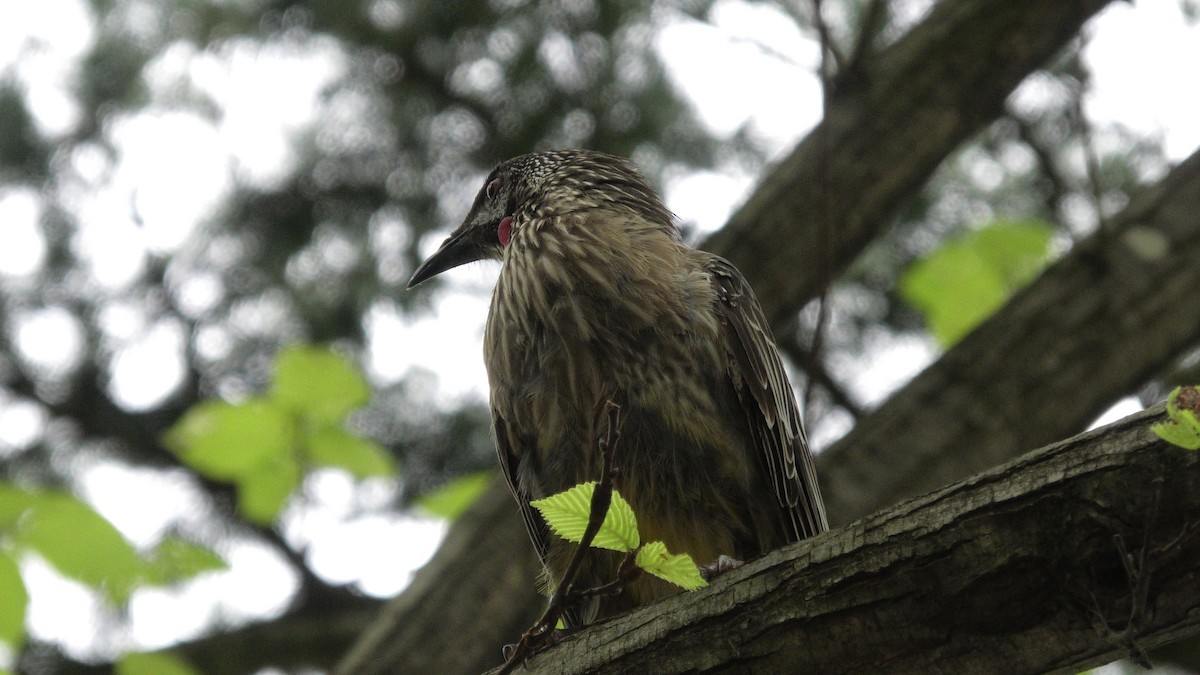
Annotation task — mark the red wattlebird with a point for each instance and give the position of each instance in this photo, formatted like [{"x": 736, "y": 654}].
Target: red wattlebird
[{"x": 599, "y": 299}]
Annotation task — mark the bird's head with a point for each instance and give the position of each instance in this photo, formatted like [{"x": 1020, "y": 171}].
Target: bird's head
[{"x": 542, "y": 185}]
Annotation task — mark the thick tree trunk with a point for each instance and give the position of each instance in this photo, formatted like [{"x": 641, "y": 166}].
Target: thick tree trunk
[{"x": 1068, "y": 558}]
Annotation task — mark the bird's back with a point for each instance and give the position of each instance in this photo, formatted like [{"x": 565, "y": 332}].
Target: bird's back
[
  {"x": 599, "y": 300},
  {"x": 596, "y": 305}
]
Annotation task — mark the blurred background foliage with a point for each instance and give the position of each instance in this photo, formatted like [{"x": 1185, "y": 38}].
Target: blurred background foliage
[{"x": 144, "y": 287}]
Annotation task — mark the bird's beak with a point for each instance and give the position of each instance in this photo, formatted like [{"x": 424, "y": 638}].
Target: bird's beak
[{"x": 459, "y": 248}]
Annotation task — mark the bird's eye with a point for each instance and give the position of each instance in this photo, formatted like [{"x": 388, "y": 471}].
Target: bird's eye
[{"x": 493, "y": 188}]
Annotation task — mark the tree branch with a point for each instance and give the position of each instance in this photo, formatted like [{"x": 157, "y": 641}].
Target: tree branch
[
  {"x": 1024, "y": 569},
  {"x": 1102, "y": 320},
  {"x": 887, "y": 130}
]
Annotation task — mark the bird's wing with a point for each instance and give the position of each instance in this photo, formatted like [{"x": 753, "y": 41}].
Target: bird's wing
[
  {"x": 539, "y": 532},
  {"x": 766, "y": 396},
  {"x": 507, "y": 449}
]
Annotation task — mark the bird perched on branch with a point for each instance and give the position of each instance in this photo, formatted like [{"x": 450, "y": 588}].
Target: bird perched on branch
[{"x": 599, "y": 299}]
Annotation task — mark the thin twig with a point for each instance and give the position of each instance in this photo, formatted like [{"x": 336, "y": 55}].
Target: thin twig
[
  {"x": 1046, "y": 163},
  {"x": 831, "y": 54},
  {"x": 821, "y": 201},
  {"x": 627, "y": 571},
  {"x": 816, "y": 372},
  {"x": 541, "y": 634},
  {"x": 872, "y": 23}
]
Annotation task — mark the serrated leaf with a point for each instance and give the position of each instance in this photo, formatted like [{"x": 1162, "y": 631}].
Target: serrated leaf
[
  {"x": 14, "y": 600},
  {"x": 567, "y": 514},
  {"x": 81, "y": 544},
  {"x": 263, "y": 493},
  {"x": 175, "y": 559},
  {"x": 333, "y": 446},
  {"x": 456, "y": 496},
  {"x": 962, "y": 283},
  {"x": 1183, "y": 429},
  {"x": 678, "y": 568},
  {"x": 227, "y": 441},
  {"x": 315, "y": 382},
  {"x": 153, "y": 663},
  {"x": 1176, "y": 434}
]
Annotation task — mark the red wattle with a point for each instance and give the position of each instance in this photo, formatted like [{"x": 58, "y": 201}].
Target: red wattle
[{"x": 504, "y": 230}]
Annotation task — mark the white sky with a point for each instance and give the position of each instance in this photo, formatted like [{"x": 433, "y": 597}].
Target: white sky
[{"x": 173, "y": 166}]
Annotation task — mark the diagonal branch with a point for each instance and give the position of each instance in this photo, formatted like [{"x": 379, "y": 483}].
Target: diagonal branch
[
  {"x": 929, "y": 585},
  {"x": 1099, "y": 322},
  {"x": 887, "y": 129}
]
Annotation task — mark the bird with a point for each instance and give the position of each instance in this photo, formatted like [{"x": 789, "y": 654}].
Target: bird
[{"x": 599, "y": 299}]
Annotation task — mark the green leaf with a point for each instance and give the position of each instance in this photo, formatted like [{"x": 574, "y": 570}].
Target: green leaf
[
  {"x": 317, "y": 383},
  {"x": 678, "y": 568},
  {"x": 81, "y": 544},
  {"x": 227, "y": 441},
  {"x": 14, "y": 600},
  {"x": 1016, "y": 249},
  {"x": 962, "y": 283},
  {"x": 153, "y": 663},
  {"x": 1177, "y": 434},
  {"x": 567, "y": 514},
  {"x": 263, "y": 493},
  {"x": 1183, "y": 429},
  {"x": 175, "y": 559},
  {"x": 451, "y": 499},
  {"x": 14, "y": 503},
  {"x": 335, "y": 447}
]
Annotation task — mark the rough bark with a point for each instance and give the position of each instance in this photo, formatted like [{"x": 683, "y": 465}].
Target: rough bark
[
  {"x": 1070, "y": 557},
  {"x": 1102, "y": 320}
]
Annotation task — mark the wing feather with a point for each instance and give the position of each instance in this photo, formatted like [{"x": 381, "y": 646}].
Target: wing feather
[
  {"x": 510, "y": 454},
  {"x": 511, "y": 448},
  {"x": 766, "y": 396}
]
